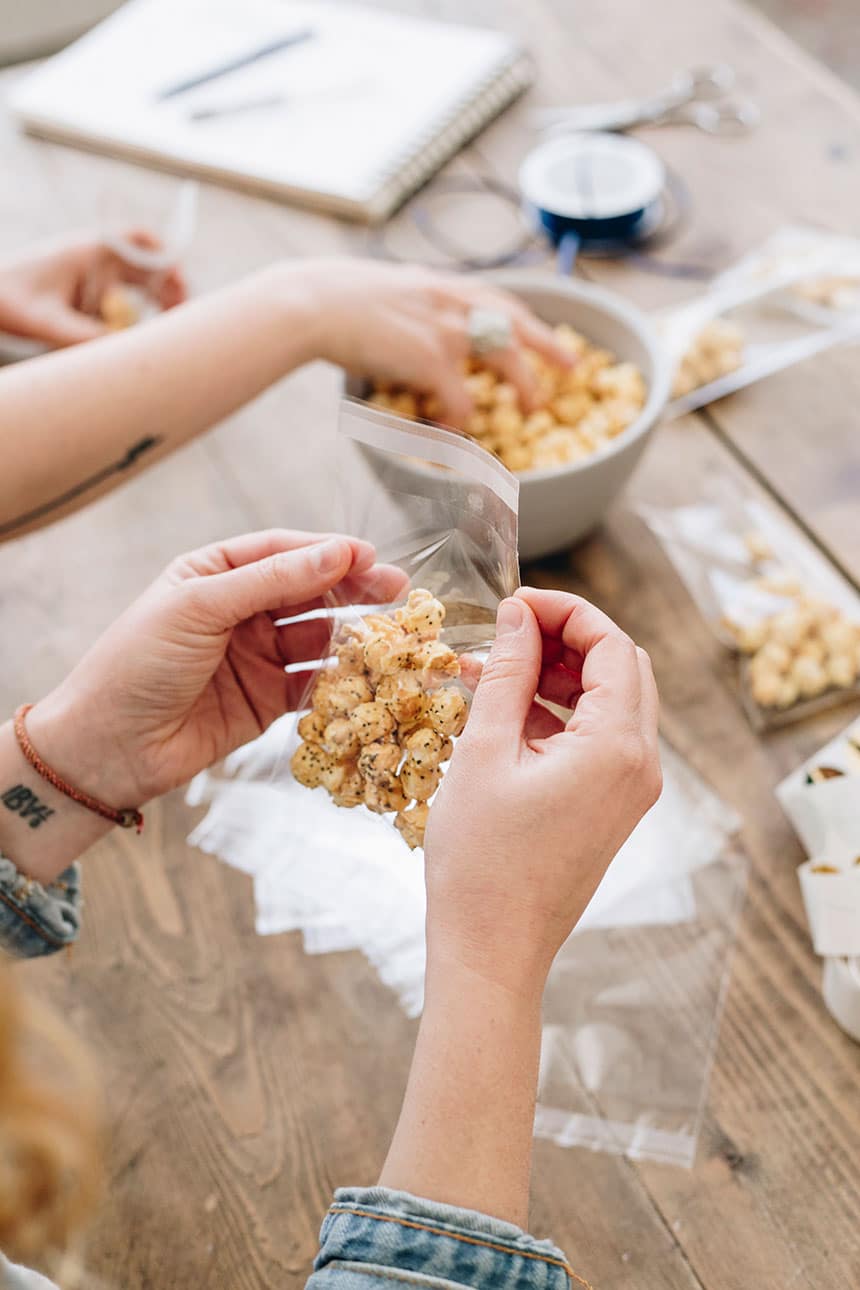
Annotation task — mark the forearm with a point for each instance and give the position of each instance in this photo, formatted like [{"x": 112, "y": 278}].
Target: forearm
[
  {"x": 465, "y": 1131},
  {"x": 75, "y": 423}
]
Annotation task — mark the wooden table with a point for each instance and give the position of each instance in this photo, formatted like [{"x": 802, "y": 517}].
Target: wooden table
[{"x": 246, "y": 1080}]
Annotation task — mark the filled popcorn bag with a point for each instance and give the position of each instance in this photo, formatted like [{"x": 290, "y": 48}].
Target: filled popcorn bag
[
  {"x": 770, "y": 597},
  {"x": 795, "y": 296},
  {"x": 381, "y": 713}
]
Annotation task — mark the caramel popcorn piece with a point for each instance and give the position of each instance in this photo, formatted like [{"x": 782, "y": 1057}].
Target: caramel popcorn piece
[
  {"x": 412, "y": 824},
  {"x": 419, "y": 782},
  {"x": 371, "y": 722},
  {"x": 424, "y": 747},
  {"x": 403, "y": 695},
  {"x": 312, "y": 728},
  {"x": 384, "y": 654},
  {"x": 381, "y": 723},
  {"x": 598, "y": 395},
  {"x": 379, "y": 761},
  {"x": 434, "y": 656},
  {"x": 309, "y": 764},
  {"x": 345, "y": 693},
  {"x": 715, "y": 351},
  {"x": 118, "y": 308},
  {"x": 447, "y": 712},
  {"x": 382, "y": 798},
  {"x": 341, "y": 738}
]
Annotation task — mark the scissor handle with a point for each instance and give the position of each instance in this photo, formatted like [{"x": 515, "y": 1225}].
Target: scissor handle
[
  {"x": 730, "y": 119},
  {"x": 710, "y": 81}
]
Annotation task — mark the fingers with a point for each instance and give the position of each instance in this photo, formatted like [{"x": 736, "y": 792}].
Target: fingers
[
  {"x": 650, "y": 703},
  {"x": 509, "y": 680},
  {"x": 445, "y": 380},
  {"x": 560, "y": 685},
  {"x": 221, "y": 601},
  {"x": 611, "y": 683},
  {"x": 172, "y": 290},
  {"x": 65, "y": 326},
  {"x": 512, "y": 366},
  {"x": 380, "y": 585},
  {"x": 542, "y": 724},
  {"x": 250, "y": 547},
  {"x": 536, "y": 335}
]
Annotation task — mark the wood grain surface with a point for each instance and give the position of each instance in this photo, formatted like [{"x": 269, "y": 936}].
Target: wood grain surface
[{"x": 246, "y": 1080}]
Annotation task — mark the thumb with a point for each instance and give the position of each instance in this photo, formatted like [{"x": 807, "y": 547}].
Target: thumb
[
  {"x": 510, "y": 676},
  {"x": 223, "y": 600}
]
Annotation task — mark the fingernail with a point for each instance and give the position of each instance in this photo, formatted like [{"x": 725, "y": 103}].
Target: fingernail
[
  {"x": 328, "y": 555},
  {"x": 509, "y": 618}
]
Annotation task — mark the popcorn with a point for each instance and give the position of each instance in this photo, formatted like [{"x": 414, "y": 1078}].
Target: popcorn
[
  {"x": 118, "y": 308},
  {"x": 582, "y": 409},
  {"x": 802, "y": 651},
  {"x": 372, "y": 722},
  {"x": 715, "y": 351},
  {"x": 382, "y": 721},
  {"x": 419, "y": 782},
  {"x": 447, "y": 712},
  {"x": 312, "y": 727},
  {"x": 403, "y": 695},
  {"x": 340, "y": 737},
  {"x": 412, "y": 824}
]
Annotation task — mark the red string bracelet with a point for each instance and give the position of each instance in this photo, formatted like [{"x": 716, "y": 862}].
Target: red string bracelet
[{"x": 127, "y": 818}]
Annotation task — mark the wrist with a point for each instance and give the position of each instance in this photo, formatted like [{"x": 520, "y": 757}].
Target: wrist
[
  {"x": 292, "y": 292},
  {"x": 82, "y": 752},
  {"x": 41, "y": 830},
  {"x": 510, "y": 982}
]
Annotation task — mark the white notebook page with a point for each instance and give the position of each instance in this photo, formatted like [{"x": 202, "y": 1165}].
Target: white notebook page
[{"x": 359, "y": 96}]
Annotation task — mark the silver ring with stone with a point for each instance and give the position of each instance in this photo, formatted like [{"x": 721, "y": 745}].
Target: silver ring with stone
[{"x": 489, "y": 330}]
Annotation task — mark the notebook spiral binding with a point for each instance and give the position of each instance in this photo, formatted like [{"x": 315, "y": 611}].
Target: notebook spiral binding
[{"x": 415, "y": 165}]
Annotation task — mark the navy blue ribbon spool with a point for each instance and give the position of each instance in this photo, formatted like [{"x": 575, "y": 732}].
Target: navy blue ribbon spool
[{"x": 600, "y": 192}]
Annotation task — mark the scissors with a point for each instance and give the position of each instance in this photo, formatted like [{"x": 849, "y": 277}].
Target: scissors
[{"x": 697, "y": 98}]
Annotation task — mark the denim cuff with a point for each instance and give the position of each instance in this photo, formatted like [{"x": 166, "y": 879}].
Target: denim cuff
[
  {"x": 373, "y": 1233},
  {"x": 36, "y": 920}
]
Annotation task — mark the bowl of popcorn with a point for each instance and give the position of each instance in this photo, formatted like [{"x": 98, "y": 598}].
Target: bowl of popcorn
[{"x": 575, "y": 452}]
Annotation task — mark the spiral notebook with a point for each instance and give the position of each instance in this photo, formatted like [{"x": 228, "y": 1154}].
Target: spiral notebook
[{"x": 354, "y": 115}]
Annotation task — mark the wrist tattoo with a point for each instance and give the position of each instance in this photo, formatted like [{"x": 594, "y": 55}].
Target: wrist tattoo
[
  {"x": 21, "y": 800},
  {"x": 56, "y": 503}
]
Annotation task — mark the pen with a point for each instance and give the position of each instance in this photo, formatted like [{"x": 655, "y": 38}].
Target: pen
[
  {"x": 232, "y": 109},
  {"x": 245, "y": 60}
]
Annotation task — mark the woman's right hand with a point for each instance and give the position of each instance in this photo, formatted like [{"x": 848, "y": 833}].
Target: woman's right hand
[
  {"x": 409, "y": 325},
  {"x": 532, "y": 810}
]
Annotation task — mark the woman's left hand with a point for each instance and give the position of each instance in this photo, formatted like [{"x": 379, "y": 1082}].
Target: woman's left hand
[
  {"x": 53, "y": 293},
  {"x": 195, "y": 667}
]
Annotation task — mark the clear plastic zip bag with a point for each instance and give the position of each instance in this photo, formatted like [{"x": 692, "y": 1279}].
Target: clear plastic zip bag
[
  {"x": 634, "y": 999},
  {"x": 380, "y": 716},
  {"x": 795, "y": 296},
  {"x": 771, "y": 598}
]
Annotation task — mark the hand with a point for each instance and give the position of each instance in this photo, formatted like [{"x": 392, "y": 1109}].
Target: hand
[
  {"x": 532, "y": 810},
  {"x": 409, "y": 325},
  {"x": 54, "y": 292},
  {"x": 195, "y": 667}
]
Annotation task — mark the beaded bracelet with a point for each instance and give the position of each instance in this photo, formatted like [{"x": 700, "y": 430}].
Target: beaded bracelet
[{"x": 127, "y": 818}]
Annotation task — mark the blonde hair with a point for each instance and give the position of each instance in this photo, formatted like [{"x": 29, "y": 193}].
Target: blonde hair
[{"x": 50, "y": 1130}]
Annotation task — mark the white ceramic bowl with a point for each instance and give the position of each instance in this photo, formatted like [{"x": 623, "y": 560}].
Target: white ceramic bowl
[{"x": 561, "y": 504}]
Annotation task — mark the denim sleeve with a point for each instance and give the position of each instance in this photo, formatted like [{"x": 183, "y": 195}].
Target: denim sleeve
[
  {"x": 376, "y": 1238},
  {"x": 36, "y": 920}
]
